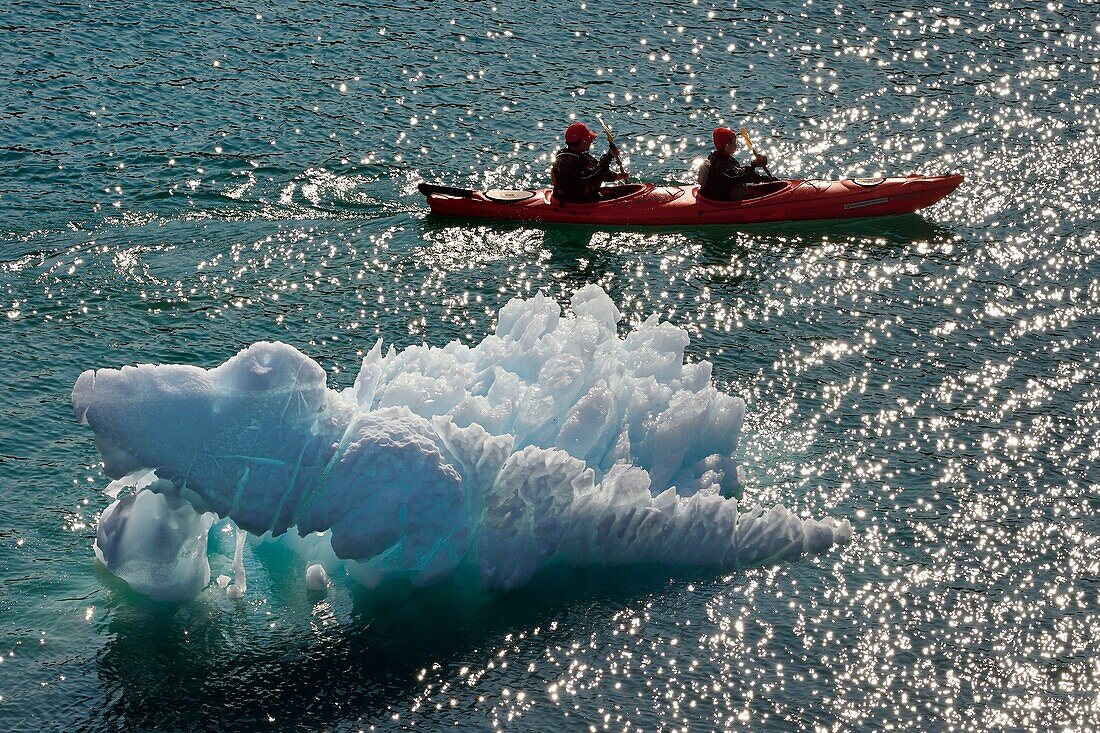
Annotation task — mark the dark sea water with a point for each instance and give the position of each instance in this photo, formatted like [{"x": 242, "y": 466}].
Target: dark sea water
[{"x": 181, "y": 179}]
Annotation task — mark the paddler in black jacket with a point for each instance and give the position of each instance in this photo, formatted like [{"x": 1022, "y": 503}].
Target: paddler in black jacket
[
  {"x": 722, "y": 178},
  {"x": 577, "y": 175}
]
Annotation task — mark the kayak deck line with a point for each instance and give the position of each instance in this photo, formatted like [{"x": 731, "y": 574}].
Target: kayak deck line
[{"x": 647, "y": 204}]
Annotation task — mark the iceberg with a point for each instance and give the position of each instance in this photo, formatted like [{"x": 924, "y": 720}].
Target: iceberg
[{"x": 554, "y": 440}]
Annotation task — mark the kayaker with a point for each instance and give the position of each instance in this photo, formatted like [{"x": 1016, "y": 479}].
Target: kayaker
[
  {"x": 576, "y": 174},
  {"x": 721, "y": 177}
]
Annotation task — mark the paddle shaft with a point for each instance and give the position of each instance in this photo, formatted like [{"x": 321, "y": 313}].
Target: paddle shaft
[
  {"x": 752, "y": 149},
  {"x": 614, "y": 148}
]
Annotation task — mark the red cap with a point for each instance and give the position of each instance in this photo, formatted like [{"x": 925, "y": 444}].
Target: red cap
[
  {"x": 722, "y": 137},
  {"x": 578, "y": 132}
]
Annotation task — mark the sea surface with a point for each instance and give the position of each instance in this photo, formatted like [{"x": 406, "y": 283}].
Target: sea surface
[{"x": 181, "y": 179}]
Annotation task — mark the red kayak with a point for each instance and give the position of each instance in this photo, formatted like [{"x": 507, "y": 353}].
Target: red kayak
[{"x": 644, "y": 204}]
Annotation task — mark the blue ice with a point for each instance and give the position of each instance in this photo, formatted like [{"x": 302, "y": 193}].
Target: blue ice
[{"x": 554, "y": 440}]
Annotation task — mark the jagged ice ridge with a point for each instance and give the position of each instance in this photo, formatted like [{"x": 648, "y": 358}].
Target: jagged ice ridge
[{"x": 552, "y": 440}]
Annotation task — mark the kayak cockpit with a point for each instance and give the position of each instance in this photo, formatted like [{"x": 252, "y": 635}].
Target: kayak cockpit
[
  {"x": 753, "y": 191},
  {"x": 615, "y": 193},
  {"x": 609, "y": 194}
]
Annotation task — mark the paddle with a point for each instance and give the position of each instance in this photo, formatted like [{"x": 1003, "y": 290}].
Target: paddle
[
  {"x": 614, "y": 148},
  {"x": 752, "y": 149},
  {"x": 429, "y": 188}
]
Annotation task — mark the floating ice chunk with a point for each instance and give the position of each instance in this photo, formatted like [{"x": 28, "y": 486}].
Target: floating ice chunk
[
  {"x": 391, "y": 498},
  {"x": 240, "y": 579},
  {"x": 656, "y": 349},
  {"x": 593, "y": 302},
  {"x": 237, "y": 431},
  {"x": 138, "y": 480},
  {"x": 316, "y": 578},
  {"x": 552, "y": 441},
  {"x": 156, "y": 543},
  {"x": 526, "y": 321}
]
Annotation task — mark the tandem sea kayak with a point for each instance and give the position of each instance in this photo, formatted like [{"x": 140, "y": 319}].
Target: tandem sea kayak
[{"x": 646, "y": 204}]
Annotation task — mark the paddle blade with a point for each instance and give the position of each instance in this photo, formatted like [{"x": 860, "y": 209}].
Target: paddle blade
[
  {"x": 748, "y": 142},
  {"x": 429, "y": 188}
]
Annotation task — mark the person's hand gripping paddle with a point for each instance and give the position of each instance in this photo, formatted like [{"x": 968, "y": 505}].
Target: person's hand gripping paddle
[
  {"x": 614, "y": 149},
  {"x": 752, "y": 149}
]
